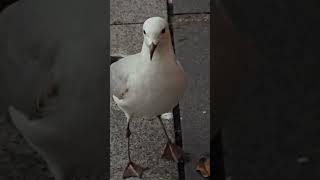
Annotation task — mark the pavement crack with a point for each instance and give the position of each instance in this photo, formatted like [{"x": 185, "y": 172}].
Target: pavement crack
[
  {"x": 178, "y": 138},
  {"x": 126, "y": 23},
  {"x": 191, "y": 13},
  {"x": 176, "y": 110}
]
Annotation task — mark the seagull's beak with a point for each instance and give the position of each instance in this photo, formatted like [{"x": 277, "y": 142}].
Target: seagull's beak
[{"x": 152, "y": 48}]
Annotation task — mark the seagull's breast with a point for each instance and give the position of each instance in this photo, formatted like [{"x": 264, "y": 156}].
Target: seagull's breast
[{"x": 156, "y": 90}]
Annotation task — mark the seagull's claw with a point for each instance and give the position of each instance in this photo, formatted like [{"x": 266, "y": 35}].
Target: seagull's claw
[
  {"x": 173, "y": 151},
  {"x": 133, "y": 170}
]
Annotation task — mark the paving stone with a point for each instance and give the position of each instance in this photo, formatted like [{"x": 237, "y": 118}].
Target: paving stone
[
  {"x": 191, "y": 38},
  {"x": 125, "y": 39},
  {"x": 191, "y": 6},
  {"x": 271, "y": 111},
  {"x": 136, "y": 11},
  {"x": 147, "y": 141}
]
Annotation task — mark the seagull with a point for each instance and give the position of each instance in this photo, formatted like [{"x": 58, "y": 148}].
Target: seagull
[
  {"x": 53, "y": 84},
  {"x": 148, "y": 84}
]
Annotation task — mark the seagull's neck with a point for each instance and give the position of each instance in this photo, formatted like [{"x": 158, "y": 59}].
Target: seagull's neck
[{"x": 163, "y": 53}]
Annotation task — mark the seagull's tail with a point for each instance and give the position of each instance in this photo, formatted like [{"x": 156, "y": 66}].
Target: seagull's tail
[
  {"x": 120, "y": 102},
  {"x": 117, "y": 100},
  {"x": 29, "y": 129},
  {"x": 121, "y": 105}
]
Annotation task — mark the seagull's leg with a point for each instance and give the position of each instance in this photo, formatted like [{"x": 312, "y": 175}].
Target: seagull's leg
[
  {"x": 132, "y": 169},
  {"x": 171, "y": 150}
]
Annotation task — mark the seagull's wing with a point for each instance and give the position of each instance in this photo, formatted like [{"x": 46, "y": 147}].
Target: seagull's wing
[{"x": 119, "y": 75}]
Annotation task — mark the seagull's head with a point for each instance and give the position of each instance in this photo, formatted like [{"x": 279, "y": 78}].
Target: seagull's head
[{"x": 155, "y": 31}]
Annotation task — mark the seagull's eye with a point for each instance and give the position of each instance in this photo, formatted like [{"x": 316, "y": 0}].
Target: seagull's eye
[
  {"x": 144, "y": 32},
  {"x": 163, "y": 31}
]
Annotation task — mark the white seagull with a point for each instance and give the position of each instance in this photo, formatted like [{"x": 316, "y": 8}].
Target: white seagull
[{"x": 148, "y": 84}]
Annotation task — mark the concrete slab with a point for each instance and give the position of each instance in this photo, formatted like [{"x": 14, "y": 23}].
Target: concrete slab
[
  {"x": 191, "y": 6},
  {"x": 147, "y": 139},
  {"x": 136, "y": 11},
  {"x": 125, "y": 39},
  {"x": 17, "y": 159},
  {"x": 192, "y": 43},
  {"x": 271, "y": 111}
]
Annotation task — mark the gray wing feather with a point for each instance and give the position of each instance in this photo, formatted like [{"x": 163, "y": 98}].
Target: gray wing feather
[
  {"x": 119, "y": 74},
  {"x": 118, "y": 78}
]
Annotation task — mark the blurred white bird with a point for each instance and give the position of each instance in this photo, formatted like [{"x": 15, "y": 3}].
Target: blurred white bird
[
  {"x": 52, "y": 80},
  {"x": 149, "y": 84}
]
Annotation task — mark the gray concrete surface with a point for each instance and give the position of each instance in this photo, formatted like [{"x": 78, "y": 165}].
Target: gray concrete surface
[
  {"x": 270, "y": 112},
  {"x": 148, "y": 139},
  {"x": 136, "y": 11},
  {"x": 192, "y": 45},
  {"x": 191, "y": 6},
  {"x": 125, "y": 39},
  {"x": 17, "y": 158}
]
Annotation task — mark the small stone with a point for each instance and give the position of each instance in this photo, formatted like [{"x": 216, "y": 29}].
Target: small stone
[
  {"x": 303, "y": 160},
  {"x": 167, "y": 116},
  {"x": 204, "y": 112},
  {"x": 203, "y": 167}
]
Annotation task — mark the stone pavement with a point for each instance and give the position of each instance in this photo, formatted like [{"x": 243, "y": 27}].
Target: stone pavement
[
  {"x": 267, "y": 63},
  {"x": 191, "y": 35},
  {"x": 190, "y": 24}
]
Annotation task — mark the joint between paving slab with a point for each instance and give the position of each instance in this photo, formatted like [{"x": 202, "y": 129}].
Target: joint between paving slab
[
  {"x": 187, "y": 18},
  {"x": 170, "y": 14},
  {"x": 178, "y": 138},
  {"x": 191, "y": 13},
  {"x": 119, "y": 24}
]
